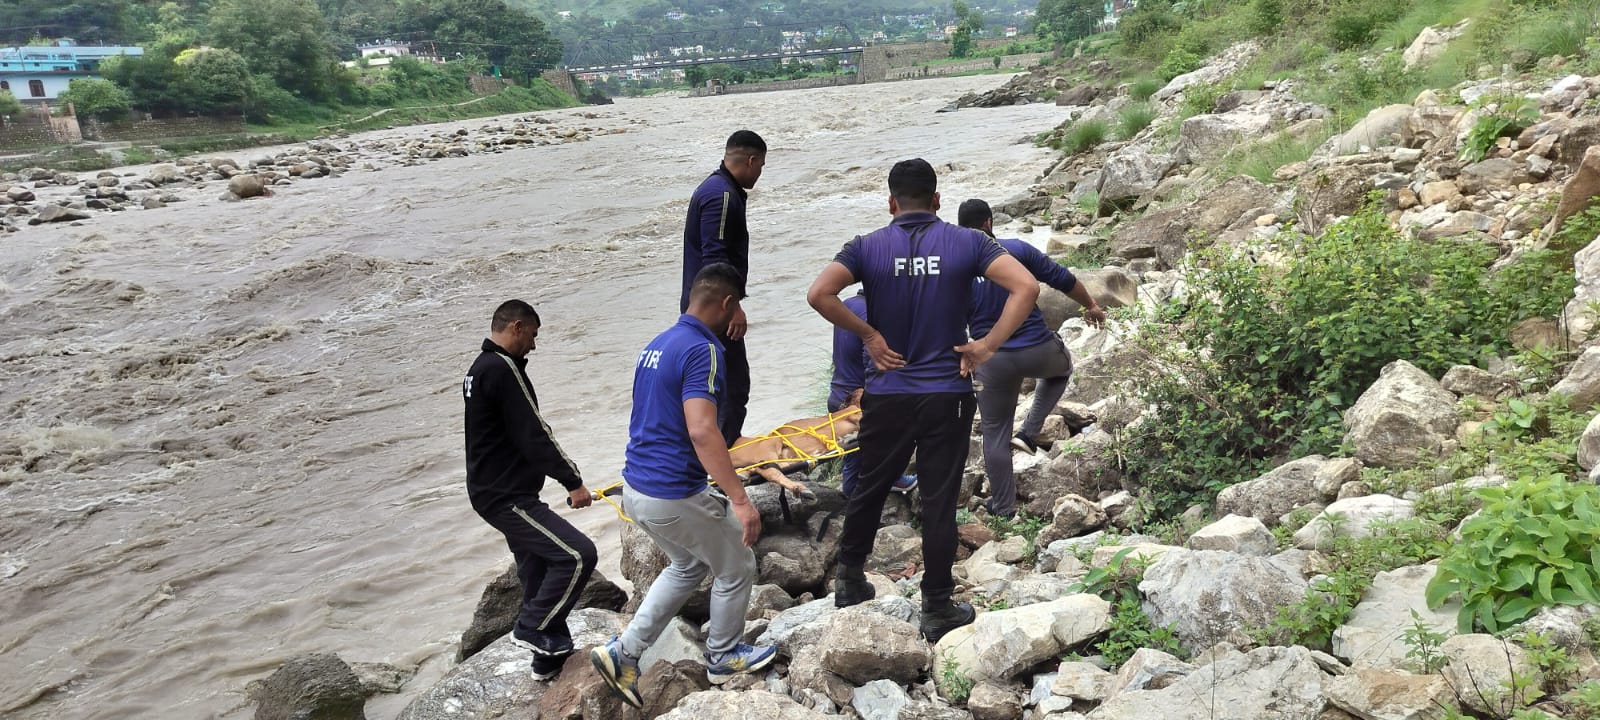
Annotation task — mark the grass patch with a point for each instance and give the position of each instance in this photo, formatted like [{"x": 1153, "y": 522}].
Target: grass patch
[
  {"x": 1083, "y": 135},
  {"x": 1133, "y": 119},
  {"x": 1143, "y": 88},
  {"x": 1262, "y": 159}
]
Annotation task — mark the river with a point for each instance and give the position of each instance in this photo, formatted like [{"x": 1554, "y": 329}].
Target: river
[{"x": 232, "y": 431}]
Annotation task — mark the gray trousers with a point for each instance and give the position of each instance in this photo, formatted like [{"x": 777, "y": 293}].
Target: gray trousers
[
  {"x": 1001, "y": 379},
  {"x": 700, "y": 535}
]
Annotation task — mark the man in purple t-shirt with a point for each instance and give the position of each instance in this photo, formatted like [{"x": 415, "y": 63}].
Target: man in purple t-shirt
[{"x": 917, "y": 274}]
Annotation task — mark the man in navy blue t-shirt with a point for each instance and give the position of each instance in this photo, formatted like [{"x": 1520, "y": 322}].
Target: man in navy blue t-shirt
[
  {"x": 673, "y": 444},
  {"x": 917, "y": 274},
  {"x": 1034, "y": 351},
  {"x": 714, "y": 232}
]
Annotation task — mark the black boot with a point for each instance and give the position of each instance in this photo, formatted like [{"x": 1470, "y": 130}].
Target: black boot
[
  {"x": 940, "y": 615},
  {"x": 850, "y": 587}
]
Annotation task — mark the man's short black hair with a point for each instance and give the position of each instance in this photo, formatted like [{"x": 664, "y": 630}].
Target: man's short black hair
[
  {"x": 511, "y": 311},
  {"x": 913, "y": 184},
  {"x": 747, "y": 142},
  {"x": 973, "y": 214},
  {"x": 715, "y": 282}
]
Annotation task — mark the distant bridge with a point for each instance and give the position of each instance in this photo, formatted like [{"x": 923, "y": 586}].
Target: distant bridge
[
  {"x": 678, "y": 62},
  {"x": 603, "y": 54}
]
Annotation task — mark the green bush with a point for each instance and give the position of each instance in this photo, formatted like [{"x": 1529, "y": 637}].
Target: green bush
[
  {"x": 1143, "y": 88},
  {"x": 1536, "y": 543},
  {"x": 1260, "y": 360},
  {"x": 1261, "y": 160},
  {"x": 1178, "y": 62},
  {"x": 1084, "y": 135},
  {"x": 1133, "y": 119},
  {"x": 97, "y": 98},
  {"x": 1502, "y": 115},
  {"x": 9, "y": 104},
  {"x": 1266, "y": 16},
  {"x": 1199, "y": 99}
]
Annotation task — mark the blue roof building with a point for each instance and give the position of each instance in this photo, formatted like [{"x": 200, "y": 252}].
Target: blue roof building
[{"x": 40, "y": 73}]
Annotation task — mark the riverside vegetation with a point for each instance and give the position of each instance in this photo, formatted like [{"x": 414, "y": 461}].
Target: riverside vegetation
[{"x": 1344, "y": 442}]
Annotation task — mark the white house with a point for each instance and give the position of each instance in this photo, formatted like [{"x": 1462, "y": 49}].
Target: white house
[{"x": 40, "y": 73}]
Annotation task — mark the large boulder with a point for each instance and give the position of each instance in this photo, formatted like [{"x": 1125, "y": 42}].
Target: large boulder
[
  {"x": 1581, "y": 188},
  {"x": 994, "y": 701},
  {"x": 1431, "y": 44},
  {"x": 1383, "y": 126},
  {"x": 1111, "y": 287},
  {"x": 1278, "y": 492},
  {"x": 1390, "y": 695},
  {"x": 1351, "y": 517},
  {"x": 1207, "y": 137},
  {"x": 1235, "y": 534},
  {"x": 1492, "y": 174},
  {"x": 1086, "y": 466},
  {"x": 861, "y": 646},
  {"x": 749, "y": 704},
  {"x": 1582, "y": 382},
  {"x": 1207, "y": 596},
  {"x": 1073, "y": 515},
  {"x": 794, "y": 561},
  {"x": 578, "y": 693},
  {"x": 1403, "y": 419},
  {"x": 879, "y": 700},
  {"x": 247, "y": 186},
  {"x": 1150, "y": 669},
  {"x": 315, "y": 686},
  {"x": 1481, "y": 667},
  {"x": 803, "y": 625},
  {"x": 1131, "y": 172},
  {"x": 1578, "y": 324},
  {"x": 1371, "y": 635},
  {"x": 1270, "y": 683},
  {"x": 501, "y": 601},
  {"x": 1004, "y": 643},
  {"x": 664, "y": 685}
]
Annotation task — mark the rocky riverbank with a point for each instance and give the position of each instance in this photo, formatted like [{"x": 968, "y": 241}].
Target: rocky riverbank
[{"x": 1081, "y": 617}]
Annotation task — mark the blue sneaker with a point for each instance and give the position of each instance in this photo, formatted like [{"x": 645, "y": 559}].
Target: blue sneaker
[
  {"x": 742, "y": 659},
  {"x": 905, "y": 484},
  {"x": 618, "y": 670}
]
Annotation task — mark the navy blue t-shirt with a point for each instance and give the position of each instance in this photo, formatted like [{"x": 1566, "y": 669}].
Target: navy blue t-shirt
[
  {"x": 850, "y": 359},
  {"x": 989, "y": 299},
  {"x": 917, "y": 274},
  {"x": 682, "y": 363}
]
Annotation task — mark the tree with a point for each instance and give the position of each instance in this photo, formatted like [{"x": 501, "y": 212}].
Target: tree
[
  {"x": 695, "y": 75},
  {"x": 9, "y": 104},
  {"x": 511, "y": 40},
  {"x": 1066, "y": 20},
  {"x": 214, "y": 80},
  {"x": 97, "y": 98},
  {"x": 282, "y": 38},
  {"x": 968, "y": 23}
]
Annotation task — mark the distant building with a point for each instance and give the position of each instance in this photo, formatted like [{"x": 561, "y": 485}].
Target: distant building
[
  {"x": 676, "y": 15},
  {"x": 1011, "y": 31},
  {"x": 40, "y": 73},
  {"x": 1114, "y": 10},
  {"x": 564, "y": 14},
  {"x": 383, "y": 52},
  {"x": 385, "y": 48}
]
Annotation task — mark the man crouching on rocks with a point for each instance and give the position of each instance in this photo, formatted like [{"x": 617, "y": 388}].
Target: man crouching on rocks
[
  {"x": 674, "y": 441},
  {"x": 509, "y": 454}
]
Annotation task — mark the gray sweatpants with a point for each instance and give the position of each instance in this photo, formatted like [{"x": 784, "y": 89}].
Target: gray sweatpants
[
  {"x": 1001, "y": 379},
  {"x": 699, "y": 534}
]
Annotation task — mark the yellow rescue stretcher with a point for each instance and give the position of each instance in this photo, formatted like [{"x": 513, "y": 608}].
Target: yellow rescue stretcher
[{"x": 825, "y": 431}]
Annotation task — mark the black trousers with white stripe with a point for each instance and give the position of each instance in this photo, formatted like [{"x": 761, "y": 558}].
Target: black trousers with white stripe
[{"x": 554, "y": 562}]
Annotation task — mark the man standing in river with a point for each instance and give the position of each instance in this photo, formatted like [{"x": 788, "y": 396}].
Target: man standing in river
[
  {"x": 1034, "y": 351},
  {"x": 917, "y": 274},
  {"x": 673, "y": 444},
  {"x": 510, "y": 452},
  {"x": 715, "y": 232}
]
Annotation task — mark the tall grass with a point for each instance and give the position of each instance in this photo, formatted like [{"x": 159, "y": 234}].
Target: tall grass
[
  {"x": 1133, "y": 119},
  {"x": 1084, "y": 135},
  {"x": 1143, "y": 88},
  {"x": 1262, "y": 159}
]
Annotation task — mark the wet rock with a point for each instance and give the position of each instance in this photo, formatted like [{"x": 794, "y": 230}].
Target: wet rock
[
  {"x": 1235, "y": 534},
  {"x": 1390, "y": 694},
  {"x": 1350, "y": 517},
  {"x": 1582, "y": 382},
  {"x": 1404, "y": 418},
  {"x": 993, "y": 701},
  {"x": 1480, "y": 667},
  {"x": 860, "y": 646},
  {"x": 57, "y": 213},
  {"x": 1268, "y": 683},
  {"x": 1370, "y": 637},
  {"x": 1001, "y": 644},
  {"x": 246, "y": 186},
  {"x": 1207, "y": 596},
  {"x": 315, "y": 686}
]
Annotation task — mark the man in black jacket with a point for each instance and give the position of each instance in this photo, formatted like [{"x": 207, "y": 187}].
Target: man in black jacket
[{"x": 509, "y": 454}]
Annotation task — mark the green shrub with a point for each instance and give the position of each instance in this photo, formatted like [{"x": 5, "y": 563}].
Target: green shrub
[
  {"x": 1502, "y": 115},
  {"x": 1083, "y": 135},
  {"x": 1259, "y": 361},
  {"x": 1261, "y": 160},
  {"x": 97, "y": 98},
  {"x": 1178, "y": 62},
  {"x": 1118, "y": 583},
  {"x": 1143, "y": 88},
  {"x": 1266, "y": 16},
  {"x": 1536, "y": 543},
  {"x": 1133, "y": 119},
  {"x": 10, "y": 105},
  {"x": 1199, "y": 99}
]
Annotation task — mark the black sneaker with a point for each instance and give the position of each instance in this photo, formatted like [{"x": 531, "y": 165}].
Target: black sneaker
[
  {"x": 1024, "y": 443},
  {"x": 851, "y": 587},
  {"x": 546, "y": 667},
  {"x": 941, "y": 616}
]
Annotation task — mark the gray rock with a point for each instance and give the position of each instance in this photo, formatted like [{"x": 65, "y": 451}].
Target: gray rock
[
  {"x": 1382, "y": 127},
  {"x": 1147, "y": 669},
  {"x": 1073, "y": 515},
  {"x": 1371, "y": 636},
  {"x": 1207, "y": 597},
  {"x": 860, "y": 646},
  {"x": 1003, "y": 643},
  {"x": 315, "y": 686},
  {"x": 1431, "y": 44},
  {"x": 1235, "y": 534},
  {"x": 919, "y": 710},
  {"x": 57, "y": 213},
  {"x": 794, "y": 561},
  {"x": 1589, "y": 445},
  {"x": 1403, "y": 419},
  {"x": 879, "y": 700},
  {"x": 1271, "y": 683},
  {"x": 1391, "y": 695},
  {"x": 247, "y": 186},
  {"x": 664, "y": 685},
  {"x": 678, "y": 642},
  {"x": 1082, "y": 681},
  {"x": 895, "y": 546},
  {"x": 1582, "y": 383},
  {"x": 19, "y": 193},
  {"x": 1275, "y": 494},
  {"x": 803, "y": 625},
  {"x": 1350, "y": 517},
  {"x": 1131, "y": 172},
  {"x": 594, "y": 626},
  {"x": 1481, "y": 667},
  {"x": 768, "y": 598},
  {"x": 1490, "y": 175},
  {"x": 993, "y": 701},
  {"x": 1208, "y": 137},
  {"x": 381, "y": 678}
]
